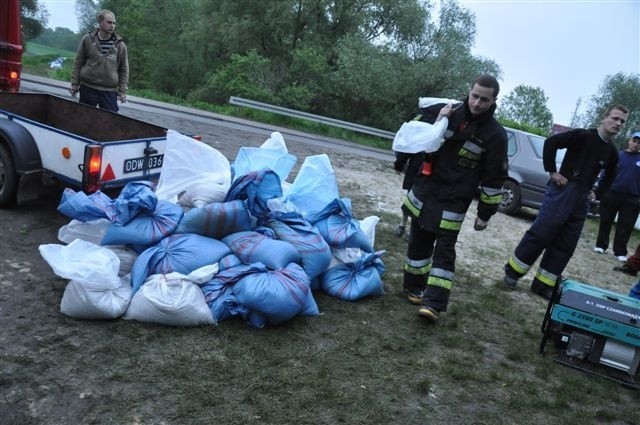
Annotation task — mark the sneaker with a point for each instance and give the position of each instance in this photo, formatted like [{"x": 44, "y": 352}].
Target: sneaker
[
  {"x": 545, "y": 291},
  {"x": 400, "y": 230},
  {"x": 509, "y": 281},
  {"x": 621, "y": 257},
  {"x": 414, "y": 297},
  {"x": 599, "y": 250},
  {"x": 429, "y": 313},
  {"x": 626, "y": 269}
]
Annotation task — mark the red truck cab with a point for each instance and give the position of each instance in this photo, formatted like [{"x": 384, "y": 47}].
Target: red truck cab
[{"x": 10, "y": 45}]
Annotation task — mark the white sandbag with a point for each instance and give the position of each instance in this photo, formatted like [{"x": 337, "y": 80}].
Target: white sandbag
[
  {"x": 315, "y": 185},
  {"x": 275, "y": 142},
  {"x": 187, "y": 164},
  {"x": 126, "y": 255},
  {"x": 200, "y": 195},
  {"x": 423, "y": 102},
  {"x": 419, "y": 136},
  {"x": 95, "y": 290},
  {"x": 88, "y": 300},
  {"x": 90, "y": 231},
  {"x": 368, "y": 227},
  {"x": 173, "y": 299}
]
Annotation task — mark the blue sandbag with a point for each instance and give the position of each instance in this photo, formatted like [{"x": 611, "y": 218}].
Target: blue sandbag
[
  {"x": 338, "y": 227},
  {"x": 217, "y": 220},
  {"x": 219, "y": 295},
  {"x": 134, "y": 198},
  {"x": 229, "y": 261},
  {"x": 256, "y": 187},
  {"x": 635, "y": 291},
  {"x": 277, "y": 295},
  {"x": 83, "y": 207},
  {"x": 146, "y": 228},
  {"x": 182, "y": 253},
  {"x": 253, "y": 247},
  {"x": 315, "y": 253},
  {"x": 353, "y": 281}
]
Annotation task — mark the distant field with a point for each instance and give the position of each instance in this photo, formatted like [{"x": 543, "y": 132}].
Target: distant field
[{"x": 35, "y": 49}]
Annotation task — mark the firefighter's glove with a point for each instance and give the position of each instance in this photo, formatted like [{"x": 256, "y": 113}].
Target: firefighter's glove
[{"x": 480, "y": 224}]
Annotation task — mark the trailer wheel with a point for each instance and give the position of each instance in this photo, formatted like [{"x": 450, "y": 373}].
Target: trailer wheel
[{"x": 8, "y": 178}]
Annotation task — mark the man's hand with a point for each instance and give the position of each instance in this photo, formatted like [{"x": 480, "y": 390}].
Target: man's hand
[
  {"x": 445, "y": 112},
  {"x": 480, "y": 224},
  {"x": 592, "y": 196},
  {"x": 122, "y": 97},
  {"x": 73, "y": 92},
  {"x": 558, "y": 179}
]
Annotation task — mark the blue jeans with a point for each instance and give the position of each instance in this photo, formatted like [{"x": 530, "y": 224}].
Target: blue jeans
[{"x": 103, "y": 99}]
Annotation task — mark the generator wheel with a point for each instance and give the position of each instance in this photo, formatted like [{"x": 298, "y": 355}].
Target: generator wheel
[{"x": 8, "y": 178}]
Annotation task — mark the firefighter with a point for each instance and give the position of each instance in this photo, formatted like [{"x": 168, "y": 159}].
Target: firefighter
[
  {"x": 558, "y": 225},
  {"x": 474, "y": 154}
]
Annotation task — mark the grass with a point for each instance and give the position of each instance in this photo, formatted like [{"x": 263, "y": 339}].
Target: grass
[{"x": 367, "y": 362}]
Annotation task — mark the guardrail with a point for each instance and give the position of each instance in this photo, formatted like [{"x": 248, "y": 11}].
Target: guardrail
[{"x": 238, "y": 101}]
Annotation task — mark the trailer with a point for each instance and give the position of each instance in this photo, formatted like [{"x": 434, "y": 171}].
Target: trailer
[{"x": 49, "y": 137}]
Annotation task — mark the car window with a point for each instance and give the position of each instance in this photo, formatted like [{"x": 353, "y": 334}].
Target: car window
[
  {"x": 537, "y": 142},
  {"x": 512, "y": 146}
]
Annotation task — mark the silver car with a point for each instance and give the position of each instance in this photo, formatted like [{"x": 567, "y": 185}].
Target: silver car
[{"x": 527, "y": 179}]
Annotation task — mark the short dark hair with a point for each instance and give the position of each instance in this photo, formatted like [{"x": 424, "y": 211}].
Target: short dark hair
[
  {"x": 619, "y": 107},
  {"x": 486, "y": 80}
]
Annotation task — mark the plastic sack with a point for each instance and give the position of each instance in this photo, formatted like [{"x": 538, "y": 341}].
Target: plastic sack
[
  {"x": 135, "y": 198},
  {"x": 315, "y": 253},
  {"x": 177, "y": 253},
  {"x": 635, "y": 291},
  {"x": 229, "y": 261},
  {"x": 91, "y": 231},
  {"x": 277, "y": 295},
  {"x": 256, "y": 187},
  {"x": 339, "y": 228},
  {"x": 85, "y": 207},
  {"x": 315, "y": 185},
  {"x": 146, "y": 228},
  {"x": 219, "y": 295},
  {"x": 419, "y": 136},
  {"x": 253, "y": 247},
  {"x": 217, "y": 220},
  {"x": 368, "y": 227},
  {"x": 424, "y": 102},
  {"x": 353, "y": 281},
  {"x": 275, "y": 142},
  {"x": 95, "y": 290},
  {"x": 189, "y": 166},
  {"x": 255, "y": 159},
  {"x": 173, "y": 299}
]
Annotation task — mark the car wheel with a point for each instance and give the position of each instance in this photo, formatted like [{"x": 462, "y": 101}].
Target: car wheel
[
  {"x": 510, "y": 203},
  {"x": 8, "y": 179}
]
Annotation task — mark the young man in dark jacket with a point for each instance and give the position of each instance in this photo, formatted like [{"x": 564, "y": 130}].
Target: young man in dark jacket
[
  {"x": 558, "y": 225},
  {"x": 101, "y": 68},
  {"x": 474, "y": 154}
]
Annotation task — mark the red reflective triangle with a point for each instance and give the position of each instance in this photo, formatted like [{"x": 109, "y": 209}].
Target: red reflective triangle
[{"x": 108, "y": 174}]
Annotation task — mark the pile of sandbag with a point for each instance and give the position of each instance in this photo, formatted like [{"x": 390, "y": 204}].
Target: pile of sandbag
[{"x": 215, "y": 240}]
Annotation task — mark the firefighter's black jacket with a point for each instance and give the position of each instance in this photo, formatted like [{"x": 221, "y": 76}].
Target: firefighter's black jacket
[{"x": 474, "y": 154}]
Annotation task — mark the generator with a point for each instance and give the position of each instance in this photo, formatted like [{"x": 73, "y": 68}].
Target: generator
[{"x": 595, "y": 330}]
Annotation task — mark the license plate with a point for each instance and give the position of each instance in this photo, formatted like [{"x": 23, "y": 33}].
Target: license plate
[{"x": 138, "y": 164}]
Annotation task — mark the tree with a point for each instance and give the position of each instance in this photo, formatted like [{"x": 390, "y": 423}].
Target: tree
[
  {"x": 87, "y": 14},
  {"x": 620, "y": 88},
  {"x": 34, "y": 18},
  {"x": 527, "y": 105}
]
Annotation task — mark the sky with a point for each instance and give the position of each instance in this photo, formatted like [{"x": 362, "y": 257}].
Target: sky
[{"x": 564, "y": 47}]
